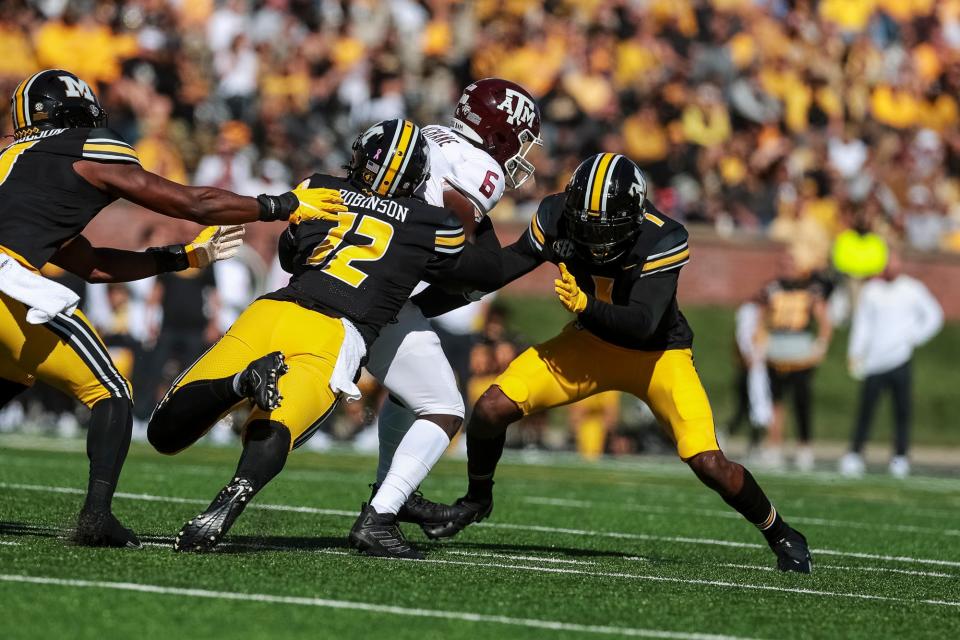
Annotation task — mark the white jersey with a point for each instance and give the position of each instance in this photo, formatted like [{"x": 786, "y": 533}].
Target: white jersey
[{"x": 457, "y": 164}]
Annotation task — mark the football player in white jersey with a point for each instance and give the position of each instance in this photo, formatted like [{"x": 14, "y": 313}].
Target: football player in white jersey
[{"x": 495, "y": 125}]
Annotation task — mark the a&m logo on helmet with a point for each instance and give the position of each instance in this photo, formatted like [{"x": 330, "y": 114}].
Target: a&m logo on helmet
[
  {"x": 520, "y": 107},
  {"x": 77, "y": 88}
]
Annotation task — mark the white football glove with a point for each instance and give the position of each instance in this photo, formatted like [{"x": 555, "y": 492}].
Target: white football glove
[{"x": 214, "y": 243}]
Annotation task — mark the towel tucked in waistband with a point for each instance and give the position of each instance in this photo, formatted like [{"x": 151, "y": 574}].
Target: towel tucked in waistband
[
  {"x": 345, "y": 370},
  {"x": 45, "y": 298}
]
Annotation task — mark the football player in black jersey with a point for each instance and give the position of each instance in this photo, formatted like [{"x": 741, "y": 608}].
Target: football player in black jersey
[
  {"x": 62, "y": 168},
  {"x": 351, "y": 276},
  {"x": 619, "y": 261}
]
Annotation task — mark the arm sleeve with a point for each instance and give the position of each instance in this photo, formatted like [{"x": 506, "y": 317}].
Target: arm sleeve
[
  {"x": 860, "y": 327},
  {"x": 649, "y": 299},
  {"x": 930, "y": 313},
  {"x": 515, "y": 260}
]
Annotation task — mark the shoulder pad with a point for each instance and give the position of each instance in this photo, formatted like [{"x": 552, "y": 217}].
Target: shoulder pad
[
  {"x": 105, "y": 145},
  {"x": 545, "y": 224},
  {"x": 478, "y": 178},
  {"x": 670, "y": 250},
  {"x": 322, "y": 180}
]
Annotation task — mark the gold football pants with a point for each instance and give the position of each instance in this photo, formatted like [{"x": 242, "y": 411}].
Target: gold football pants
[
  {"x": 65, "y": 352},
  {"x": 310, "y": 343},
  {"x": 576, "y": 364}
]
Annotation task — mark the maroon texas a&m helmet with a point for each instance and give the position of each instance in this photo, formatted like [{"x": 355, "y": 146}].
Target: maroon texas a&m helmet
[{"x": 503, "y": 119}]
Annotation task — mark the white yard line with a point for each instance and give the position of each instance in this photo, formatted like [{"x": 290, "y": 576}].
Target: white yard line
[
  {"x": 368, "y": 607},
  {"x": 720, "y": 513},
  {"x": 502, "y": 525},
  {"x": 837, "y": 567},
  {"x": 521, "y": 558},
  {"x": 710, "y": 541},
  {"x": 601, "y": 574},
  {"x": 694, "y": 581},
  {"x": 9, "y": 543}
]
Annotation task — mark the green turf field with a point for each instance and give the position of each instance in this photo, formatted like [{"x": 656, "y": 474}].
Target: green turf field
[{"x": 619, "y": 548}]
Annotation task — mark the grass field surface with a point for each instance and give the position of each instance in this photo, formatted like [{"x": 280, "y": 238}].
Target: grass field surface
[
  {"x": 835, "y": 392},
  {"x": 572, "y": 550}
]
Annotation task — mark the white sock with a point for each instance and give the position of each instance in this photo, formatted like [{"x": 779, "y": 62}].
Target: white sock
[
  {"x": 392, "y": 424},
  {"x": 419, "y": 450}
]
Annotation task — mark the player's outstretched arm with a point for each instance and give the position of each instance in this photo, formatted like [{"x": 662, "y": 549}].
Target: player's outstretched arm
[
  {"x": 100, "y": 264},
  {"x": 205, "y": 205},
  {"x": 516, "y": 260}
]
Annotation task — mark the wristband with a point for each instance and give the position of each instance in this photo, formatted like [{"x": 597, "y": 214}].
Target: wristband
[
  {"x": 277, "y": 207},
  {"x": 170, "y": 258}
]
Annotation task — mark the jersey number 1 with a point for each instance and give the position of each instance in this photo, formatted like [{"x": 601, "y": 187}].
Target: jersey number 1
[{"x": 338, "y": 259}]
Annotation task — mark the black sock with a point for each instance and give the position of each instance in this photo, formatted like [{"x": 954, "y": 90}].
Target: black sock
[
  {"x": 754, "y": 505},
  {"x": 265, "y": 451},
  {"x": 482, "y": 458},
  {"x": 108, "y": 439},
  {"x": 189, "y": 412}
]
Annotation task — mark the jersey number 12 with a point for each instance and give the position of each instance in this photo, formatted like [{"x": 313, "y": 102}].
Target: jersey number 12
[{"x": 338, "y": 259}]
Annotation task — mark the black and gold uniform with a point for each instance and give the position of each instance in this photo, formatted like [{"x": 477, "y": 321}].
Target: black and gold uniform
[
  {"x": 360, "y": 266},
  {"x": 619, "y": 259},
  {"x": 388, "y": 246},
  {"x": 44, "y": 203},
  {"x": 631, "y": 336},
  {"x": 296, "y": 351}
]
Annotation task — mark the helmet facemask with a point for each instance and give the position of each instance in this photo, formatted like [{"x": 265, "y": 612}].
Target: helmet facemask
[
  {"x": 517, "y": 167},
  {"x": 599, "y": 238}
]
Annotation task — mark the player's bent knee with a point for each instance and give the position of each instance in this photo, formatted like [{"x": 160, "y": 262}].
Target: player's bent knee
[
  {"x": 493, "y": 412},
  {"x": 162, "y": 432},
  {"x": 713, "y": 468},
  {"x": 449, "y": 423}
]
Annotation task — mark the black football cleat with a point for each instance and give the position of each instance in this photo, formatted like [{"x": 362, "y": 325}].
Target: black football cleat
[
  {"x": 793, "y": 554},
  {"x": 102, "y": 529},
  {"x": 259, "y": 380},
  {"x": 205, "y": 531},
  {"x": 430, "y": 516},
  {"x": 466, "y": 511},
  {"x": 377, "y": 534}
]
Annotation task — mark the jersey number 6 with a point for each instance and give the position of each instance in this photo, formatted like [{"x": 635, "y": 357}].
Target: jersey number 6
[
  {"x": 489, "y": 186},
  {"x": 338, "y": 259}
]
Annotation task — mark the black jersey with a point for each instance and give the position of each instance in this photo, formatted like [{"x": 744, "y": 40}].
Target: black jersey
[
  {"x": 643, "y": 279},
  {"x": 364, "y": 265},
  {"x": 43, "y": 201},
  {"x": 790, "y": 304}
]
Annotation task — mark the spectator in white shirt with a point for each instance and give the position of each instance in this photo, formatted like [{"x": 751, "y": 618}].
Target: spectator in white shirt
[{"x": 894, "y": 315}]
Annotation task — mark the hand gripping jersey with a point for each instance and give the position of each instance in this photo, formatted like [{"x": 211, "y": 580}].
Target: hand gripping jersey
[
  {"x": 646, "y": 276},
  {"x": 457, "y": 164},
  {"x": 43, "y": 201},
  {"x": 364, "y": 264}
]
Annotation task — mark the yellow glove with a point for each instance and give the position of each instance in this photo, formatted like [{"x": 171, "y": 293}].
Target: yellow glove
[
  {"x": 214, "y": 243},
  {"x": 301, "y": 204},
  {"x": 571, "y": 297},
  {"x": 316, "y": 204}
]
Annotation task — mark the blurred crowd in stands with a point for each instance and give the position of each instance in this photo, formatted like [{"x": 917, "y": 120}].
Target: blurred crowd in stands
[{"x": 830, "y": 124}]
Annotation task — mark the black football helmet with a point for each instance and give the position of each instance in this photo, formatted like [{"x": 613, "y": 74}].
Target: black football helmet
[
  {"x": 54, "y": 99},
  {"x": 604, "y": 207},
  {"x": 390, "y": 159}
]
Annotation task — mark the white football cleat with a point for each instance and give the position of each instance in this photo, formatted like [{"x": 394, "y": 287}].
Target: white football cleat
[
  {"x": 851, "y": 465},
  {"x": 804, "y": 460},
  {"x": 899, "y": 467}
]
